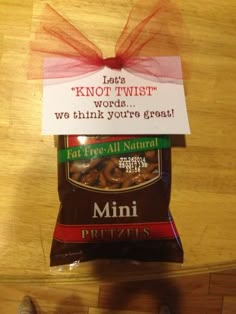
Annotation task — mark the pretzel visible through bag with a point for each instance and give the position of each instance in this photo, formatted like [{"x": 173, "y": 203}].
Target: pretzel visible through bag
[{"x": 105, "y": 172}]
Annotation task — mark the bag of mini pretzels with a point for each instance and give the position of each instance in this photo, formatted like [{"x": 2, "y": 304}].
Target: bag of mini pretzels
[{"x": 115, "y": 194}]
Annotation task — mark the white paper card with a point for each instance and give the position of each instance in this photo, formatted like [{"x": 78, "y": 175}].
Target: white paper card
[{"x": 113, "y": 102}]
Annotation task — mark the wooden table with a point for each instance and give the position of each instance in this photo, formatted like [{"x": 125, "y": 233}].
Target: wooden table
[{"x": 203, "y": 190}]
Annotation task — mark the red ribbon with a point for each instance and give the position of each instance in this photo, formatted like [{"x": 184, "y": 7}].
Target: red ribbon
[{"x": 71, "y": 54}]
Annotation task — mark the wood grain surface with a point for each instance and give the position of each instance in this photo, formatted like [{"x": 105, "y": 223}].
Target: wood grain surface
[
  {"x": 196, "y": 294},
  {"x": 203, "y": 188}
]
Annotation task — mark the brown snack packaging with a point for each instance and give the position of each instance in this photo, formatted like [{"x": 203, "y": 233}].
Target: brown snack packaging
[{"x": 114, "y": 193}]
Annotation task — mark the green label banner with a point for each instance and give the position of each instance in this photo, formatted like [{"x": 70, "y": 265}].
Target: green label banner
[{"x": 119, "y": 147}]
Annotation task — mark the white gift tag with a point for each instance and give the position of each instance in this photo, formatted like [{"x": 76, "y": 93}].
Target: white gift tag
[{"x": 113, "y": 102}]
